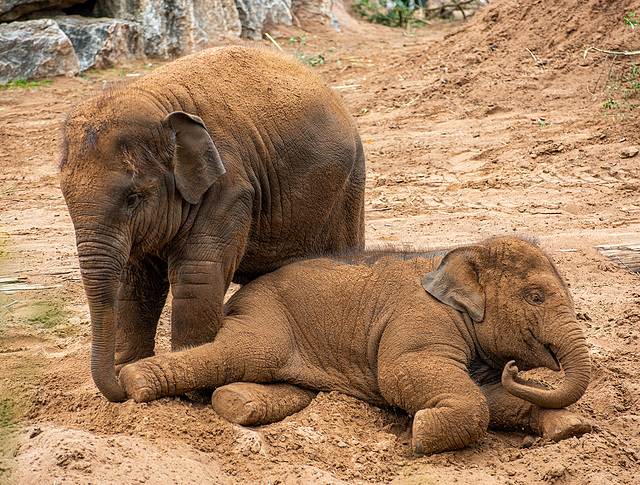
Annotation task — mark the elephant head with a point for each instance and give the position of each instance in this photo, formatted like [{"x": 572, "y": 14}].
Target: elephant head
[
  {"x": 128, "y": 175},
  {"x": 517, "y": 308}
]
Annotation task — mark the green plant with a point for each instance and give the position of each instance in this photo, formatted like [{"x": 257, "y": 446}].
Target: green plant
[
  {"x": 22, "y": 83},
  {"x": 313, "y": 60},
  {"x": 624, "y": 87},
  {"x": 394, "y": 13},
  {"x": 630, "y": 19},
  {"x": 300, "y": 42}
]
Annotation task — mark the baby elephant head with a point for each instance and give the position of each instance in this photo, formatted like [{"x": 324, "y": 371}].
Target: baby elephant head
[{"x": 520, "y": 310}]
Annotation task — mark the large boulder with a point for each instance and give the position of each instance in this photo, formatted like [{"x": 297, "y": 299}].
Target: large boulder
[
  {"x": 176, "y": 27},
  {"x": 103, "y": 43},
  {"x": 14, "y": 9},
  {"x": 316, "y": 11},
  {"x": 34, "y": 50},
  {"x": 254, "y": 14}
]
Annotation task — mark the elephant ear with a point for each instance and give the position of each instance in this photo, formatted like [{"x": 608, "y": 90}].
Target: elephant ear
[
  {"x": 196, "y": 161},
  {"x": 455, "y": 282}
]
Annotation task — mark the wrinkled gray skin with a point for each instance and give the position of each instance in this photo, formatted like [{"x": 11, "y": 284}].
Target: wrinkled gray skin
[
  {"x": 219, "y": 166},
  {"x": 436, "y": 335}
]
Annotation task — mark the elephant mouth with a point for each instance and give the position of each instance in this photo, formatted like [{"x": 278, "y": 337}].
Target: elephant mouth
[
  {"x": 556, "y": 363},
  {"x": 544, "y": 354}
]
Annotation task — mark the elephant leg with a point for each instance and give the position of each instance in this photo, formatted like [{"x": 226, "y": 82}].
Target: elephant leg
[
  {"x": 141, "y": 297},
  {"x": 251, "y": 404},
  {"x": 237, "y": 354},
  {"x": 200, "y": 274},
  {"x": 198, "y": 290},
  {"x": 450, "y": 411},
  {"x": 510, "y": 413}
]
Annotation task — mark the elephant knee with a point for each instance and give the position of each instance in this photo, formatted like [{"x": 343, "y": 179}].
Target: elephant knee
[{"x": 445, "y": 428}]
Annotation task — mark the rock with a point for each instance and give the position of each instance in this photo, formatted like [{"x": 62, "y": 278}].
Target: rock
[
  {"x": 14, "y": 9},
  {"x": 316, "y": 11},
  {"x": 254, "y": 14},
  {"x": 168, "y": 28},
  {"x": 628, "y": 152},
  {"x": 34, "y": 50},
  {"x": 529, "y": 441},
  {"x": 176, "y": 28},
  {"x": 102, "y": 43}
]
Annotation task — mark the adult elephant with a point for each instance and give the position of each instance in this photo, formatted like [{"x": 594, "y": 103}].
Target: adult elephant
[{"x": 218, "y": 167}]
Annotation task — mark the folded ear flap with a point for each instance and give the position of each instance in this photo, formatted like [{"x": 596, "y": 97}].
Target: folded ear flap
[
  {"x": 196, "y": 161},
  {"x": 455, "y": 282}
]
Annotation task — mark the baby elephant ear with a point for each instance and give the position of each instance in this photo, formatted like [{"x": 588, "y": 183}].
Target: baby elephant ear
[
  {"x": 455, "y": 282},
  {"x": 196, "y": 161}
]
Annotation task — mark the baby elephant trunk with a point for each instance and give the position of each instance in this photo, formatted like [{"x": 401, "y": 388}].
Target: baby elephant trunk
[
  {"x": 573, "y": 354},
  {"x": 100, "y": 276}
]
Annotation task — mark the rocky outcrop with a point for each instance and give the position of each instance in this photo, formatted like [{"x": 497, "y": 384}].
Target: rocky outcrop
[
  {"x": 35, "y": 50},
  {"x": 163, "y": 28},
  {"x": 255, "y": 14},
  {"x": 315, "y": 10},
  {"x": 177, "y": 27},
  {"x": 14, "y": 9},
  {"x": 101, "y": 43}
]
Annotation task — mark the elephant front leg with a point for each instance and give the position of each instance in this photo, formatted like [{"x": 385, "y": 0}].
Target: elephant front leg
[
  {"x": 237, "y": 354},
  {"x": 202, "y": 367},
  {"x": 510, "y": 413},
  {"x": 198, "y": 290},
  {"x": 141, "y": 297},
  {"x": 450, "y": 411}
]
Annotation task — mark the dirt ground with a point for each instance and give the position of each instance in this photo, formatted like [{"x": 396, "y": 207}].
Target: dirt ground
[{"x": 491, "y": 127}]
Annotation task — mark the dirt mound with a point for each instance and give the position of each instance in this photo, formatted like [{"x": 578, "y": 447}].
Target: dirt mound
[{"x": 548, "y": 29}]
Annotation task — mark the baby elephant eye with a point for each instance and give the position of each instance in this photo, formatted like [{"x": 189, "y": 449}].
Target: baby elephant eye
[
  {"x": 133, "y": 200},
  {"x": 534, "y": 298}
]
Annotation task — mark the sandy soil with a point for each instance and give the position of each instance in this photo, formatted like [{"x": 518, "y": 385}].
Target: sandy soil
[{"x": 470, "y": 130}]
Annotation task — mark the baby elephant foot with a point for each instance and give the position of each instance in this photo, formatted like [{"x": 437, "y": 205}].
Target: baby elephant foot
[
  {"x": 140, "y": 382},
  {"x": 560, "y": 424},
  {"x": 436, "y": 430},
  {"x": 250, "y": 404}
]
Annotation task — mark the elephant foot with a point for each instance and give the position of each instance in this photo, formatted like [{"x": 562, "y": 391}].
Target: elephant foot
[
  {"x": 443, "y": 429},
  {"x": 250, "y": 404},
  {"x": 560, "y": 424},
  {"x": 139, "y": 383}
]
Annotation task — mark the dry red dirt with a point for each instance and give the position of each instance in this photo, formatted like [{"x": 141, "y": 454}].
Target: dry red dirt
[{"x": 471, "y": 130}]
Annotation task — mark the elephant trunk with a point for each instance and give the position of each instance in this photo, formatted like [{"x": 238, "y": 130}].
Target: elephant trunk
[
  {"x": 573, "y": 354},
  {"x": 101, "y": 266}
]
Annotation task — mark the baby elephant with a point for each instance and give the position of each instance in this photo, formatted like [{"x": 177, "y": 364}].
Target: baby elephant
[{"x": 438, "y": 335}]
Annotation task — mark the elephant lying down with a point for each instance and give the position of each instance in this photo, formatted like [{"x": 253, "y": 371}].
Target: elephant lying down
[{"x": 434, "y": 334}]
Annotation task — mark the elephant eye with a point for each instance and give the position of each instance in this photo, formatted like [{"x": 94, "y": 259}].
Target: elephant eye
[
  {"x": 133, "y": 200},
  {"x": 534, "y": 298}
]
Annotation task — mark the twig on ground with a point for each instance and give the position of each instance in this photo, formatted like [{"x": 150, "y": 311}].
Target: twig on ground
[
  {"x": 618, "y": 53},
  {"x": 537, "y": 61},
  {"x": 9, "y": 304},
  {"x": 268, "y": 36}
]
